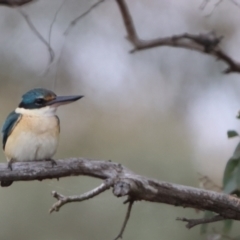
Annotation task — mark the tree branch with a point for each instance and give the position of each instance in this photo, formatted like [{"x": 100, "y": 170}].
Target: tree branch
[
  {"x": 14, "y": 3},
  {"x": 205, "y": 43},
  {"x": 38, "y": 34},
  {"x": 130, "y": 204},
  {"x": 194, "y": 222},
  {"x": 53, "y": 21},
  {"x": 126, "y": 183},
  {"x": 62, "y": 200},
  {"x": 74, "y": 22},
  {"x": 206, "y": 183}
]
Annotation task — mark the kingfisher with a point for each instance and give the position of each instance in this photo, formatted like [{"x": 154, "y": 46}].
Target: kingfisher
[{"x": 31, "y": 131}]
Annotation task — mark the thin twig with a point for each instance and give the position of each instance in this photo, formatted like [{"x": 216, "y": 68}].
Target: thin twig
[
  {"x": 73, "y": 22},
  {"x": 236, "y": 3},
  {"x": 53, "y": 21},
  {"x": 204, "y": 4},
  {"x": 58, "y": 62},
  {"x": 206, "y": 183},
  {"x": 194, "y": 222},
  {"x": 66, "y": 33},
  {"x": 50, "y": 35},
  {"x": 128, "y": 22},
  {"x": 120, "y": 235},
  {"x": 38, "y": 34},
  {"x": 62, "y": 200},
  {"x": 216, "y": 4},
  {"x": 214, "y": 7},
  {"x": 15, "y": 3},
  {"x": 205, "y": 43}
]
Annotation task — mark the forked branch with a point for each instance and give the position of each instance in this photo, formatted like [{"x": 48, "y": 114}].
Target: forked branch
[
  {"x": 78, "y": 18},
  {"x": 62, "y": 200},
  {"x": 130, "y": 204},
  {"x": 38, "y": 34},
  {"x": 194, "y": 222},
  {"x": 207, "y": 43},
  {"x": 126, "y": 183},
  {"x": 14, "y": 3}
]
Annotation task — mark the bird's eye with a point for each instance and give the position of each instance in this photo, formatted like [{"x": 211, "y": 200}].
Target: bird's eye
[{"x": 39, "y": 101}]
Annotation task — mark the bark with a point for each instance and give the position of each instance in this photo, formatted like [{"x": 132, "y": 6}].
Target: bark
[{"x": 126, "y": 183}]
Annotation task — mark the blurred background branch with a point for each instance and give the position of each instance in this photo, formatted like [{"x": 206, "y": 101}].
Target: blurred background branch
[
  {"x": 194, "y": 222},
  {"x": 205, "y": 43},
  {"x": 39, "y": 35},
  {"x": 78, "y": 18},
  {"x": 14, "y": 3}
]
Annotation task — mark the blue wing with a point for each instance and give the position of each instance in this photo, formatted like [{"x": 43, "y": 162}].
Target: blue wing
[
  {"x": 9, "y": 125},
  {"x": 58, "y": 122}
]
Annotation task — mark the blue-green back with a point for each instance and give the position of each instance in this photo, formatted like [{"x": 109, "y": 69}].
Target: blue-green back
[{"x": 8, "y": 126}]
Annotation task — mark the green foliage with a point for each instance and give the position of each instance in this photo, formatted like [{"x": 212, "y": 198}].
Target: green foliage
[
  {"x": 232, "y": 133},
  {"x": 231, "y": 182},
  {"x": 230, "y": 177},
  {"x": 236, "y": 153}
]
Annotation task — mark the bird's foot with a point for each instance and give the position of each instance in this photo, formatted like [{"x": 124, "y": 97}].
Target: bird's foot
[
  {"x": 10, "y": 162},
  {"x": 9, "y": 166},
  {"x": 53, "y": 162}
]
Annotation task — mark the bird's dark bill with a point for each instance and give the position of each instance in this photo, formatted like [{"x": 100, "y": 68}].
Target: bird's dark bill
[{"x": 60, "y": 100}]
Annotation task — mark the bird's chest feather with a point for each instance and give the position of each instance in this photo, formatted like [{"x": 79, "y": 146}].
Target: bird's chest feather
[{"x": 34, "y": 138}]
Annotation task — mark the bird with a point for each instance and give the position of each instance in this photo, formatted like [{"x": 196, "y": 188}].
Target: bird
[{"x": 31, "y": 131}]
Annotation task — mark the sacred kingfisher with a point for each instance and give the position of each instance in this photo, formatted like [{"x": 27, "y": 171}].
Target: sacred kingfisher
[{"x": 31, "y": 132}]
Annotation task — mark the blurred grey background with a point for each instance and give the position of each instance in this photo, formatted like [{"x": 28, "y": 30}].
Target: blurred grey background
[{"x": 163, "y": 113}]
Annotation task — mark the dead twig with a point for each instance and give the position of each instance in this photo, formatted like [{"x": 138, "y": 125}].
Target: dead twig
[
  {"x": 236, "y": 3},
  {"x": 38, "y": 34},
  {"x": 74, "y": 21},
  {"x": 207, "y": 43},
  {"x": 194, "y": 222},
  {"x": 204, "y": 4},
  {"x": 130, "y": 204},
  {"x": 53, "y": 21},
  {"x": 206, "y": 183},
  {"x": 208, "y": 40},
  {"x": 66, "y": 33},
  {"x": 50, "y": 35},
  {"x": 62, "y": 200},
  {"x": 15, "y": 3},
  {"x": 124, "y": 183},
  {"x": 214, "y": 7}
]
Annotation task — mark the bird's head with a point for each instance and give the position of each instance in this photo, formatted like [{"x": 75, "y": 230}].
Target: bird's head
[{"x": 42, "y": 101}]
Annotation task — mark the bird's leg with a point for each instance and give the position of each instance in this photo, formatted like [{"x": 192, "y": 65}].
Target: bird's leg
[
  {"x": 53, "y": 162},
  {"x": 9, "y": 166},
  {"x": 10, "y": 162}
]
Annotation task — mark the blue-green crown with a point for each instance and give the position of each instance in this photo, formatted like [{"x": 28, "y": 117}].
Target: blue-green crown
[{"x": 36, "y": 98}]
